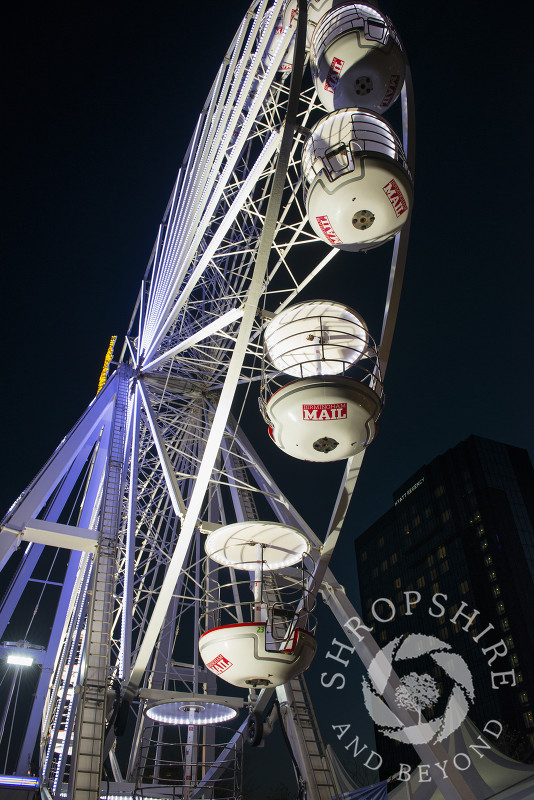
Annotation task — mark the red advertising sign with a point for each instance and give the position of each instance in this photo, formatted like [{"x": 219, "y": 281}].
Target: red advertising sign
[
  {"x": 319, "y": 412},
  {"x": 326, "y": 227},
  {"x": 219, "y": 664},
  {"x": 395, "y": 197},
  {"x": 390, "y": 91},
  {"x": 333, "y": 74}
]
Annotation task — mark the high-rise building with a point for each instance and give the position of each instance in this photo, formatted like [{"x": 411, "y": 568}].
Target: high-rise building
[{"x": 454, "y": 559}]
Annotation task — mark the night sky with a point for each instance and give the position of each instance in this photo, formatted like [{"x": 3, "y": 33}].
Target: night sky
[{"x": 99, "y": 106}]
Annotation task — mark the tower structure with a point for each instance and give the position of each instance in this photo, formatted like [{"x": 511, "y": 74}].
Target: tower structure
[
  {"x": 461, "y": 530},
  {"x": 114, "y": 530}
]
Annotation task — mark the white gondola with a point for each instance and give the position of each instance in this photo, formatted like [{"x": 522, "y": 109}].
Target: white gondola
[
  {"x": 315, "y": 338},
  {"x": 356, "y": 58},
  {"x": 275, "y": 643},
  {"x": 324, "y": 419},
  {"x": 330, "y": 413},
  {"x": 360, "y": 187},
  {"x": 241, "y": 655}
]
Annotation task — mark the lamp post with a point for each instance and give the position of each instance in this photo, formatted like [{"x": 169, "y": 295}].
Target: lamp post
[{"x": 20, "y": 658}]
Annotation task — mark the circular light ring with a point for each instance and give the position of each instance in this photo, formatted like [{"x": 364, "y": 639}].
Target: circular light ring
[
  {"x": 235, "y": 545},
  {"x": 316, "y": 338},
  {"x": 191, "y": 712}
]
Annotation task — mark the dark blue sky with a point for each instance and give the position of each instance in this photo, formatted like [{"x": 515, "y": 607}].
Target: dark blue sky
[{"x": 101, "y": 103}]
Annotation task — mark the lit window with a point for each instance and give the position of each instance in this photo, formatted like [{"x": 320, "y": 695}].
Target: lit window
[
  {"x": 505, "y": 624},
  {"x": 523, "y": 698},
  {"x": 416, "y": 521},
  {"x": 435, "y": 587},
  {"x": 480, "y": 530},
  {"x": 496, "y": 590},
  {"x": 488, "y": 560},
  {"x": 500, "y": 607},
  {"x": 439, "y": 491},
  {"x": 519, "y": 677},
  {"x": 444, "y": 567},
  {"x": 420, "y": 582},
  {"x": 509, "y": 643},
  {"x": 442, "y": 552},
  {"x": 430, "y": 560},
  {"x": 364, "y": 555},
  {"x": 384, "y": 565},
  {"x": 464, "y": 587},
  {"x": 444, "y": 633},
  {"x": 402, "y": 609},
  {"x": 428, "y": 512},
  {"x": 397, "y": 583},
  {"x": 528, "y": 719},
  {"x": 393, "y": 559},
  {"x": 483, "y": 544},
  {"x": 514, "y": 661},
  {"x": 453, "y": 609},
  {"x": 407, "y": 530},
  {"x": 433, "y": 574},
  {"x": 445, "y": 517},
  {"x": 383, "y": 636},
  {"x": 492, "y": 575}
]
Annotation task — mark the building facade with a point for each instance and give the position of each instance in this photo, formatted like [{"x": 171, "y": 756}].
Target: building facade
[{"x": 454, "y": 559}]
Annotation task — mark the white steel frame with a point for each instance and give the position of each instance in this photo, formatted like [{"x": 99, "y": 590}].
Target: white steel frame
[{"x": 228, "y": 255}]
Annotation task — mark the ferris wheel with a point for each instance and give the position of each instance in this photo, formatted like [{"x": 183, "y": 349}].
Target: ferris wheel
[{"x": 187, "y": 604}]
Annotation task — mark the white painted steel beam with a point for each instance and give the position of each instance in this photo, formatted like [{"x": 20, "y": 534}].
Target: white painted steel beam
[
  {"x": 209, "y": 270},
  {"x": 32, "y": 500},
  {"x": 236, "y": 206},
  {"x": 87, "y": 752},
  {"x": 204, "y": 333},
  {"x": 170, "y": 478},
  {"x": 56, "y": 534},
  {"x": 227, "y": 393}
]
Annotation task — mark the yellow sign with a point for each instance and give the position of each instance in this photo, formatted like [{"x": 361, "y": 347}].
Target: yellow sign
[{"x": 107, "y": 362}]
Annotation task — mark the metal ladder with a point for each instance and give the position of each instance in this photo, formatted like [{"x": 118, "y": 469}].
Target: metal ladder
[
  {"x": 85, "y": 777},
  {"x": 305, "y": 739},
  {"x": 237, "y": 469}
]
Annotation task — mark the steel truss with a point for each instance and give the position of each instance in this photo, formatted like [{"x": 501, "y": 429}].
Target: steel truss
[{"x": 158, "y": 459}]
